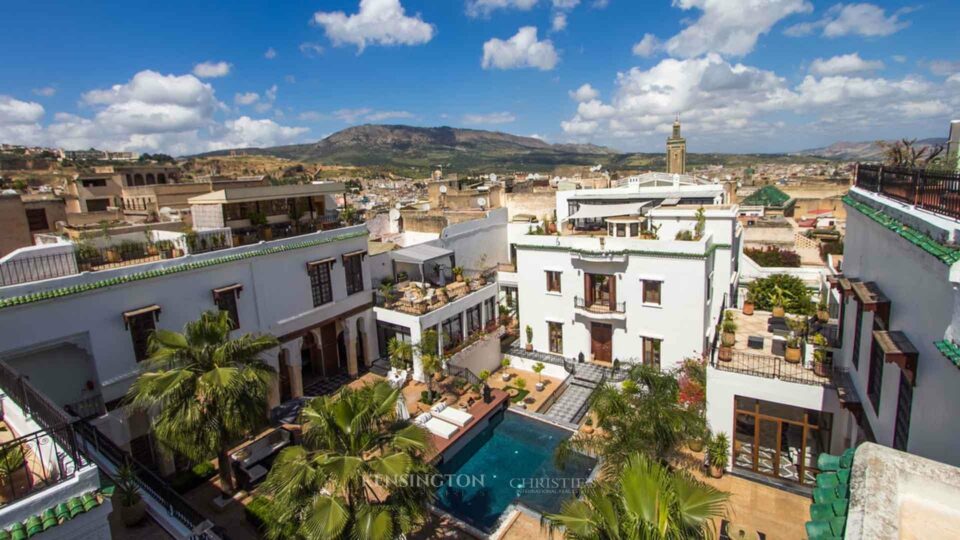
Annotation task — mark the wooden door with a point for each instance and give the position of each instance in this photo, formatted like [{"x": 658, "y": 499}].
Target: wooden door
[
  {"x": 328, "y": 349},
  {"x": 601, "y": 337}
]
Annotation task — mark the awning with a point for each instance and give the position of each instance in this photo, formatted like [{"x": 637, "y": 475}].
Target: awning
[
  {"x": 133, "y": 313},
  {"x": 234, "y": 289},
  {"x": 593, "y": 211},
  {"x": 420, "y": 254}
]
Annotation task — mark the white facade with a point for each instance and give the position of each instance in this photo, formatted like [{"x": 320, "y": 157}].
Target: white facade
[{"x": 76, "y": 345}]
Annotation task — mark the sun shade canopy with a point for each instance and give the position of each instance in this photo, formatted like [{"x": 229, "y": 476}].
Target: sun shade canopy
[
  {"x": 420, "y": 254},
  {"x": 593, "y": 211}
]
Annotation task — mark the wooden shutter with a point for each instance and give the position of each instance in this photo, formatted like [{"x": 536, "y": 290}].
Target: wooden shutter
[{"x": 612, "y": 284}]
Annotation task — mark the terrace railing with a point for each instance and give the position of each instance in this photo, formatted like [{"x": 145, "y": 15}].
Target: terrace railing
[
  {"x": 934, "y": 191},
  {"x": 599, "y": 307},
  {"x": 775, "y": 367}
]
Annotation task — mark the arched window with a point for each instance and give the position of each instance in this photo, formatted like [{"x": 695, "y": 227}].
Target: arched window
[
  {"x": 161, "y": 178},
  {"x": 151, "y": 179},
  {"x": 138, "y": 179}
]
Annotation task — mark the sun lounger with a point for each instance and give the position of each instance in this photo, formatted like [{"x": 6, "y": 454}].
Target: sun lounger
[
  {"x": 451, "y": 414},
  {"x": 438, "y": 427}
]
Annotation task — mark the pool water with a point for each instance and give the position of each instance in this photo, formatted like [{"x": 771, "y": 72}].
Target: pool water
[{"x": 511, "y": 460}]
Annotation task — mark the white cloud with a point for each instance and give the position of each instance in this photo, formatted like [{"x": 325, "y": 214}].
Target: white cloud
[
  {"x": 245, "y": 132},
  {"x": 270, "y": 54},
  {"x": 944, "y": 67},
  {"x": 45, "y": 91},
  {"x": 502, "y": 117},
  {"x": 729, "y": 27},
  {"x": 954, "y": 79},
  {"x": 311, "y": 116},
  {"x": 647, "y": 46},
  {"x": 864, "y": 19},
  {"x": 899, "y": 58},
  {"x": 17, "y": 112},
  {"x": 211, "y": 70},
  {"x": 523, "y": 50},
  {"x": 269, "y": 97},
  {"x": 246, "y": 98},
  {"x": 290, "y": 79},
  {"x": 381, "y": 116},
  {"x": 565, "y": 4},
  {"x": 483, "y": 8},
  {"x": 584, "y": 93},
  {"x": 845, "y": 63},
  {"x": 350, "y": 116},
  {"x": 311, "y": 49},
  {"x": 559, "y": 22},
  {"x": 380, "y": 22}
]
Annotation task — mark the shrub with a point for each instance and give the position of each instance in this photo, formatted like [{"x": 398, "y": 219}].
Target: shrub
[
  {"x": 259, "y": 512},
  {"x": 772, "y": 256},
  {"x": 831, "y": 248},
  {"x": 790, "y": 290},
  {"x": 186, "y": 480}
]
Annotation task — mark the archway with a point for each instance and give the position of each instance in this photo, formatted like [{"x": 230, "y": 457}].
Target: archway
[
  {"x": 361, "y": 341},
  {"x": 138, "y": 180}
]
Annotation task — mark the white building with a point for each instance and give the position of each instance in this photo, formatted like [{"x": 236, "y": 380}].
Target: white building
[
  {"x": 79, "y": 338},
  {"x": 619, "y": 284}
]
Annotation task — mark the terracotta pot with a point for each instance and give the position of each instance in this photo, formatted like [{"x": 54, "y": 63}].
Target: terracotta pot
[
  {"x": 823, "y": 316},
  {"x": 587, "y": 429},
  {"x": 728, "y": 339},
  {"x": 779, "y": 311},
  {"x": 821, "y": 369},
  {"x": 529, "y": 347},
  {"x": 132, "y": 515},
  {"x": 716, "y": 472},
  {"x": 792, "y": 355},
  {"x": 460, "y": 278},
  {"x": 726, "y": 354},
  {"x": 695, "y": 445},
  {"x": 747, "y": 308}
]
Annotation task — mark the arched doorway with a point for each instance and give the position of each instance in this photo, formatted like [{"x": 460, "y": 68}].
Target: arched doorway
[
  {"x": 138, "y": 179},
  {"x": 361, "y": 350},
  {"x": 310, "y": 357},
  {"x": 286, "y": 392}
]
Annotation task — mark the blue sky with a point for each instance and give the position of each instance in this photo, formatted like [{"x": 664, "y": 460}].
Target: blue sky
[{"x": 746, "y": 76}]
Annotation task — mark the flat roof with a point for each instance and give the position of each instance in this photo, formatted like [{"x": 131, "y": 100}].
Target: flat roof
[{"x": 266, "y": 193}]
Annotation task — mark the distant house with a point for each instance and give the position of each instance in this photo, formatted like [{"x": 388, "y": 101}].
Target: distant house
[{"x": 772, "y": 200}]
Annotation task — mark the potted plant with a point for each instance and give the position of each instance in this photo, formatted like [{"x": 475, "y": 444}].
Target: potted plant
[
  {"x": 505, "y": 364},
  {"x": 748, "y": 304},
  {"x": 725, "y": 354},
  {"x": 792, "y": 354},
  {"x": 718, "y": 454},
  {"x": 587, "y": 426},
  {"x": 729, "y": 328},
  {"x": 458, "y": 273},
  {"x": 166, "y": 248},
  {"x": 696, "y": 442},
  {"x": 821, "y": 365},
  {"x": 779, "y": 310},
  {"x": 538, "y": 369},
  {"x": 823, "y": 314},
  {"x": 521, "y": 385},
  {"x": 529, "y": 331},
  {"x": 126, "y": 492}
]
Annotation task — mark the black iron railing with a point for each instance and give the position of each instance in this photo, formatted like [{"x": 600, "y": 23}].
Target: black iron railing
[
  {"x": 39, "y": 460},
  {"x": 775, "y": 367},
  {"x": 463, "y": 373},
  {"x": 599, "y": 307},
  {"x": 935, "y": 191}
]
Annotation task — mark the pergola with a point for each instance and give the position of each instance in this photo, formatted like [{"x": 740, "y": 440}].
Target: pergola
[{"x": 420, "y": 256}]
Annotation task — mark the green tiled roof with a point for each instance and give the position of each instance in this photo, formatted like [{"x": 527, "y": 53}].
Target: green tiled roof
[
  {"x": 768, "y": 197},
  {"x": 950, "y": 350},
  {"x": 946, "y": 254},
  {"x": 119, "y": 280},
  {"x": 53, "y": 516}
]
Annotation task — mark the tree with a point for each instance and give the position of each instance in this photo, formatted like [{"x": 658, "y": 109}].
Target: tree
[
  {"x": 646, "y": 501},
  {"x": 905, "y": 153},
  {"x": 781, "y": 289},
  {"x": 349, "y": 215},
  {"x": 430, "y": 361},
  {"x": 351, "y": 478},
  {"x": 646, "y": 417},
  {"x": 400, "y": 352},
  {"x": 209, "y": 390}
]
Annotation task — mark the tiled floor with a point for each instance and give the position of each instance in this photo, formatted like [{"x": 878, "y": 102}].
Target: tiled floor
[
  {"x": 570, "y": 403},
  {"x": 326, "y": 385},
  {"x": 535, "y": 400}
]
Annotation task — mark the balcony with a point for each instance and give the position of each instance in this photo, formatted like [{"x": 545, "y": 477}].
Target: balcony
[
  {"x": 606, "y": 310},
  {"x": 934, "y": 191},
  {"x": 421, "y": 298}
]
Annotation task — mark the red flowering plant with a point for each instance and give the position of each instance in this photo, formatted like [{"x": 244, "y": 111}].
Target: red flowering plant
[{"x": 693, "y": 383}]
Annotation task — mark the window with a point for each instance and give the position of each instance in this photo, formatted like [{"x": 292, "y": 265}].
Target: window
[
  {"x": 320, "y": 282},
  {"x": 634, "y": 230},
  {"x": 875, "y": 375},
  {"x": 857, "y": 330},
  {"x": 901, "y": 432},
  {"x": 97, "y": 205},
  {"x": 226, "y": 300},
  {"x": 141, "y": 323},
  {"x": 651, "y": 291},
  {"x": 452, "y": 332},
  {"x": 353, "y": 269},
  {"x": 387, "y": 331},
  {"x": 473, "y": 320},
  {"x": 651, "y": 352},
  {"x": 555, "y": 332},
  {"x": 490, "y": 304},
  {"x": 37, "y": 219},
  {"x": 553, "y": 281},
  {"x": 94, "y": 182}
]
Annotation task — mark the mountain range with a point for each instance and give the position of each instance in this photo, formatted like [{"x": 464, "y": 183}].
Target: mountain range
[{"x": 408, "y": 149}]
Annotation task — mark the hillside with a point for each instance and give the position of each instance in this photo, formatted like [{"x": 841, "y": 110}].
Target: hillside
[{"x": 859, "y": 151}]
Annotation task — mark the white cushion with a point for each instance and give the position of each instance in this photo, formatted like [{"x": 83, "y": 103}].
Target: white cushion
[{"x": 439, "y": 407}]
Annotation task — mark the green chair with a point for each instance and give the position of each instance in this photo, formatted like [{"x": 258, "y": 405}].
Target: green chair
[
  {"x": 34, "y": 526},
  {"x": 822, "y": 512},
  {"x": 62, "y": 512},
  {"x": 49, "y": 519}
]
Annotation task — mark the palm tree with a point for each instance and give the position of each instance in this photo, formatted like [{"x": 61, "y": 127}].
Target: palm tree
[
  {"x": 349, "y": 479},
  {"x": 645, "y": 502},
  {"x": 400, "y": 352},
  {"x": 651, "y": 420},
  {"x": 430, "y": 359},
  {"x": 209, "y": 390}
]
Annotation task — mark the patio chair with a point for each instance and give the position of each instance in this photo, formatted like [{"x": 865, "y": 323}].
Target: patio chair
[{"x": 755, "y": 342}]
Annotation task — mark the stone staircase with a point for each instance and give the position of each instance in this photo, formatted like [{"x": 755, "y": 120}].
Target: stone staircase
[{"x": 570, "y": 407}]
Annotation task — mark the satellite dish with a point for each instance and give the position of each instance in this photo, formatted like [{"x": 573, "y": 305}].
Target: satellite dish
[
  {"x": 482, "y": 201},
  {"x": 443, "y": 189},
  {"x": 394, "y": 215}
]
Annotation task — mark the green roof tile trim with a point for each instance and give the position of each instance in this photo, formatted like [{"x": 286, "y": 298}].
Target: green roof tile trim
[
  {"x": 950, "y": 350},
  {"x": 149, "y": 274},
  {"x": 663, "y": 254},
  {"x": 768, "y": 196},
  {"x": 946, "y": 254},
  {"x": 95, "y": 497}
]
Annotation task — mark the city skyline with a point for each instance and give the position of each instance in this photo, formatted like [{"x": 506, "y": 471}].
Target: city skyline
[{"x": 184, "y": 79}]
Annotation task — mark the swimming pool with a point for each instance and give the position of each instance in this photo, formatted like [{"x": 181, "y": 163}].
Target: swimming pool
[{"x": 511, "y": 460}]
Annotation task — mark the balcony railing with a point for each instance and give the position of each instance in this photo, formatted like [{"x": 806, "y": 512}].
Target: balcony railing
[
  {"x": 775, "y": 367},
  {"x": 420, "y": 299},
  {"x": 934, "y": 191},
  {"x": 599, "y": 307}
]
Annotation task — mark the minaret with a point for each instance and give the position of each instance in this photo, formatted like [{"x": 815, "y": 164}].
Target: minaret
[{"x": 676, "y": 151}]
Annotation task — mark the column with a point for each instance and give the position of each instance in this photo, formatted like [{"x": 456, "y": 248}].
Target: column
[
  {"x": 295, "y": 359},
  {"x": 416, "y": 334},
  {"x": 349, "y": 329},
  {"x": 271, "y": 357}
]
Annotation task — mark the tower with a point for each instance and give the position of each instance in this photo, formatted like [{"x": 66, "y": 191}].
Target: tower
[{"x": 676, "y": 150}]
